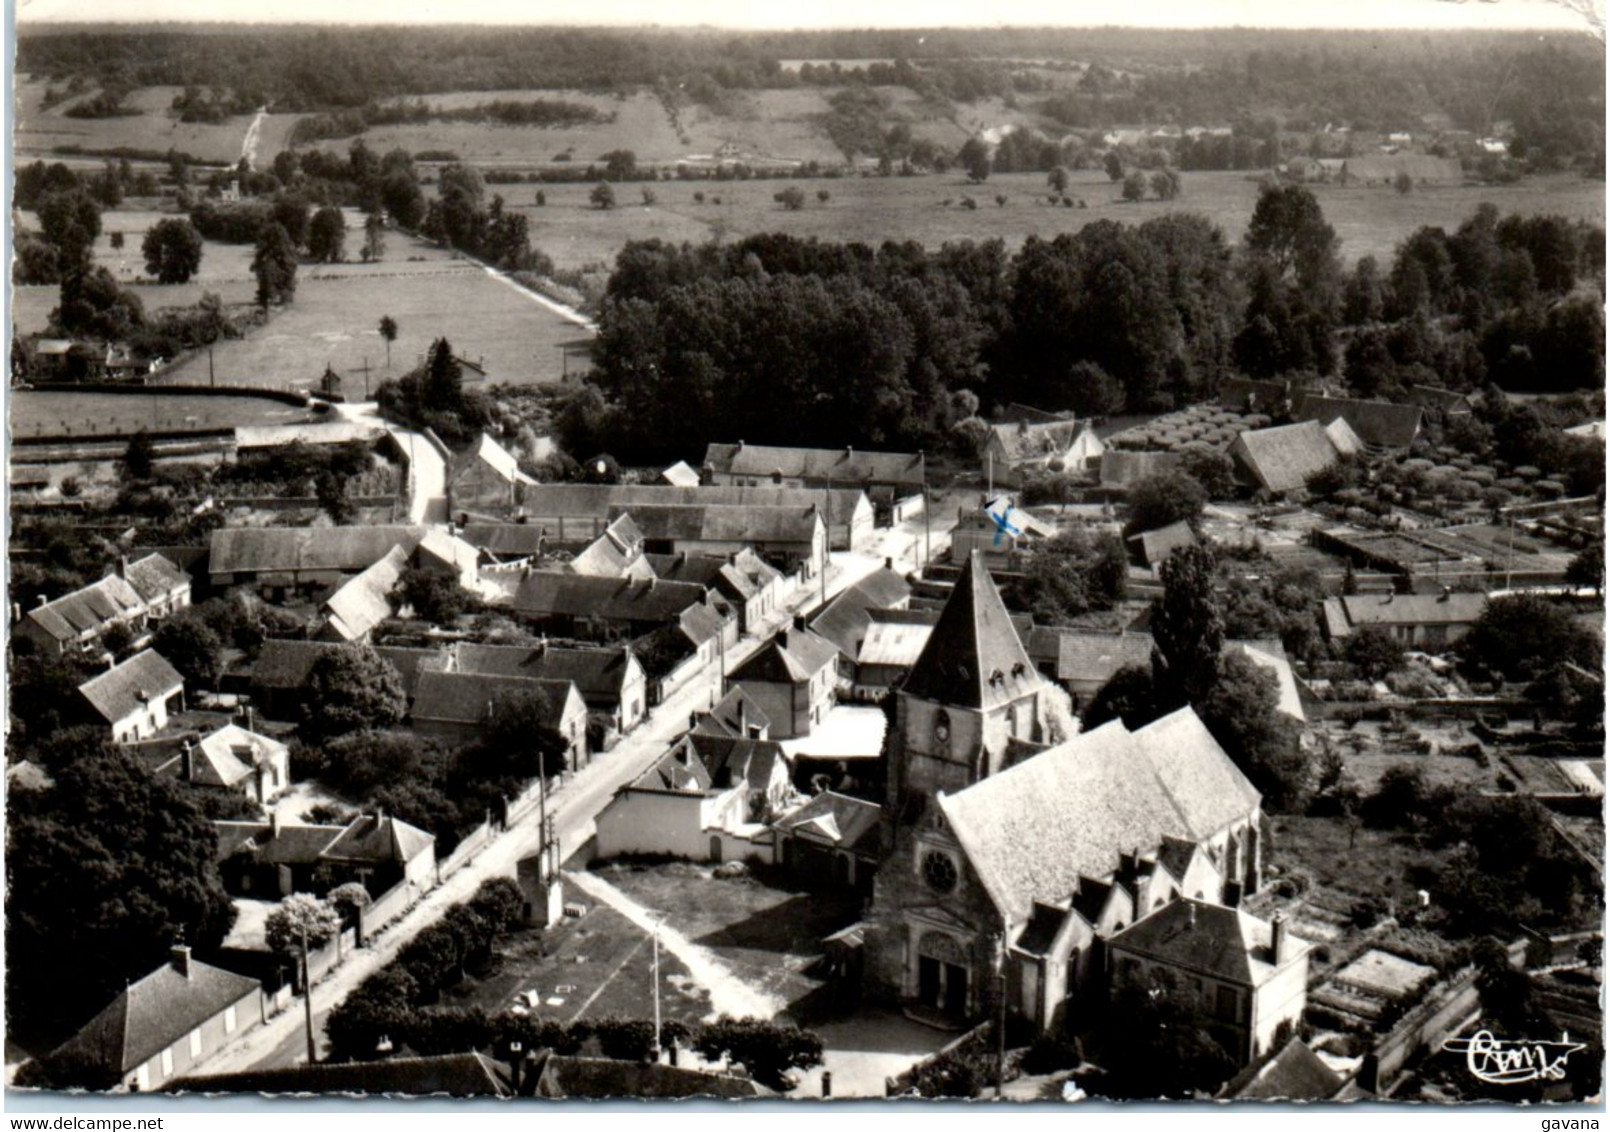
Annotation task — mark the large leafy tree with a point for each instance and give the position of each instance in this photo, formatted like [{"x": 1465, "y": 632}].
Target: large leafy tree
[
  {"x": 1187, "y": 627},
  {"x": 350, "y": 689},
  {"x": 274, "y": 266},
  {"x": 300, "y": 918},
  {"x": 172, "y": 250},
  {"x": 327, "y": 236},
  {"x": 1242, "y": 711},
  {"x": 1521, "y": 636},
  {"x": 1160, "y": 1042},
  {"x": 71, "y": 220},
  {"x": 192, "y": 647},
  {"x": 1163, "y": 498},
  {"x": 107, "y": 869}
]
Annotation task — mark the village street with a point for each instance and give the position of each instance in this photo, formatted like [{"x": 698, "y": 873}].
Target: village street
[{"x": 574, "y": 805}]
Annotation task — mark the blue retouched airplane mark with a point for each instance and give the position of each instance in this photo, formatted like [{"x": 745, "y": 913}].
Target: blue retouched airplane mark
[{"x": 1002, "y": 526}]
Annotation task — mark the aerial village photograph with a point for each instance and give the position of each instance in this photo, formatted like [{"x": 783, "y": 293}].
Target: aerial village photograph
[{"x": 809, "y": 554}]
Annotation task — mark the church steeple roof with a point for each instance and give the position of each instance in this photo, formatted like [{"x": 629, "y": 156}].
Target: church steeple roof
[{"x": 974, "y": 658}]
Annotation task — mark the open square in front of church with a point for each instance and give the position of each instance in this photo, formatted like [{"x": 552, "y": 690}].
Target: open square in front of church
[{"x": 765, "y": 930}]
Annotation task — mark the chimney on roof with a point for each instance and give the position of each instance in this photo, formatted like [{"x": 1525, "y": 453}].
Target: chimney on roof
[
  {"x": 274, "y": 823},
  {"x": 179, "y": 954},
  {"x": 848, "y": 451},
  {"x": 1447, "y": 592},
  {"x": 888, "y": 563},
  {"x": 740, "y": 444},
  {"x": 693, "y": 720},
  {"x": 123, "y": 566},
  {"x": 189, "y": 761},
  {"x": 1190, "y": 913},
  {"x": 1277, "y": 938},
  {"x": 41, "y": 601}
]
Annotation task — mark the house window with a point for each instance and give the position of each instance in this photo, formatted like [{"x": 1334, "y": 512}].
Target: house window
[
  {"x": 142, "y": 1078},
  {"x": 229, "y": 1020},
  {"x": 167, "y": 1063},
  {"x": 1225, "y": 1003},
  {"x": 195, "y": 1043}
]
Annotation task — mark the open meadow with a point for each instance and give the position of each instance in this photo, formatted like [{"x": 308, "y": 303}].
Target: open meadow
[
  {"x": 155, "y": 129},
  {"x": 1368, "y": 220}
]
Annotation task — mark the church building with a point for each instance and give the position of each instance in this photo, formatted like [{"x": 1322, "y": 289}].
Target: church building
[{"x": 1014, "y": 858}]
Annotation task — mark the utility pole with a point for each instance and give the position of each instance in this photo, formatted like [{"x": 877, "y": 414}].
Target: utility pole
[
  {"x": 307, "y": 999},
  {"x": 366, "y": 377},
  {"x": 212, "y": 378},
  {"x": 927, "y": 525},
  {"x": 1000, "y": 1014},
  {"x": 657, "y": 1050}
]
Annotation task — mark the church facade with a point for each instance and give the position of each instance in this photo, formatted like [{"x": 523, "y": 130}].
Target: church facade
[{"x": 1012, "y": 859}]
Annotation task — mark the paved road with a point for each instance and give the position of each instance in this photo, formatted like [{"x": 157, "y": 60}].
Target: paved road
[{"x": 575, "y": 804}]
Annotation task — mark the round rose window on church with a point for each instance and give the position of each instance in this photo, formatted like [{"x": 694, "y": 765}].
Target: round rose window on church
[{"x": 939, "y": 872}]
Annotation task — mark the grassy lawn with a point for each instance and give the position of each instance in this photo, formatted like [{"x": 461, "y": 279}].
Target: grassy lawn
[
  {"x": 766, "y": 928},
  {"x": 599, "y": 965}
]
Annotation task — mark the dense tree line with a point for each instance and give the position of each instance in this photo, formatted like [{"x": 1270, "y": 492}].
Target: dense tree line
[
  {"x": 777, "y": 339},
  {"x": 107, "y": 868},
  {"x": 1368, "y": 80},
  {"x": 544, "y": 112}
]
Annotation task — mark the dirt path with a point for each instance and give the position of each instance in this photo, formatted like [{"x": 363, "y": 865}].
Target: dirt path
[
  {"x": 248, "y": 145},
  {"x": 729, "y": 994},
  {"x": 569, "y": 314}
]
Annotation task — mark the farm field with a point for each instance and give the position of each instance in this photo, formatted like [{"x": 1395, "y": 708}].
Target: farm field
[
  {"x": 429, "y": 291},
  {"x": 1368, "y": 220},
  {"x": 334, "y": 321},
  {"x": 35, "y": 411},
  {"x": 771, "y": 125},
  {"x": 38, "y": 132}
]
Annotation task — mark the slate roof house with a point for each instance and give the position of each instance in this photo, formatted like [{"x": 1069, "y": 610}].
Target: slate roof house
[
  {"x": 281, "y": 672},
  {"x": 616, "y": 553},
  {"x": 1249, "y": 975},
  {"x": 361, "y": 603},
  {"x": 845, "y": 619},
  {"x": 1280, "y": 459},
  {"x": 135, "y": 594},
  {"x": 1154, "y": 547},
  {"x": 792, "y": 678},
  {"x": 1012, "y": 448},
  {"x": 1416, "y": 620},
  {"x": 1378, "y": 424},
  {"x": 895, "y": 481},
  {"x": 1064, "y": 846},
  {"x": 268, "y": 860},
  {"x": 894, "y": 639},
  {"x": 790, "y": 538},
  {"x": 487, "y": 480},
  {"x": 149, "y": 1035},
  {"x": 735, "y": 716},
  {"x": 675, "y": 809},
  {"x": 282, "y": 562},
  {"x": 456, "y": 707},
  {"x": 573, "y": 513},
  {"x": 832, "y": 840},
  {"x": 232, "y": 758},
  {"x": 610, "y": 681},
  {"x": 134, "y": 698},
  {"x": 608, "y": 609},
  {"x": 448, "y": 1074},
  {"x": 748, "y": 582},
  {"x": 598, "y": 1078}
]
